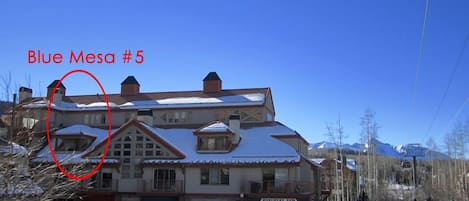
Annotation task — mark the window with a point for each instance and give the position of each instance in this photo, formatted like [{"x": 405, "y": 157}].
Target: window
[
  {"x": 139, "y": 146},
  {"x": 106, "y": 180},
  {"x": 103, "y": 119},
  {"x": 138, "y": 153},
  {"x": 87, "y": 119},
  {"x": 270, "y": 117},
  {"x": 215, "y": 176},
  {"x": 138, "y": 172},
  {"x": 127, "y": 146},
  {"x": 117, "y": 146},
  {"x": 127, "y": 139},
  {"x": 274, "y": 178},
  {"x": 139, "y": 138},
  {"x": 148, "y": 153},
  {"x": 125, "y": 171},
  {"x": 149, "y": 146},
  {"x": 117, "y": 153},
  {"x": 77, "y": 144},
  {"x": 213, "y": 143},
  {"x": 126, "y": 153},
  {"x": 176, "y": 117},
  {"x": 164, "y": 179}
]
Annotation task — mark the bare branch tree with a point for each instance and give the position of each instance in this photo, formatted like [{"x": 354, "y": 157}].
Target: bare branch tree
[{"x": 6, "y": 85}]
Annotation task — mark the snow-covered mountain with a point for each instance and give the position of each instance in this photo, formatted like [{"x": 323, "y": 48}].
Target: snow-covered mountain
[{"x": 383, "y": 149}]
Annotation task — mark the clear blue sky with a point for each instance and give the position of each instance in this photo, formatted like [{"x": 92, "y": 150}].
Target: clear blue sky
[{"x": 321, "y": 58}]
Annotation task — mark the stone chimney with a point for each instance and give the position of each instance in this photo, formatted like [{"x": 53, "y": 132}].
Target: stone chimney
[
  {"x": 59, "y": 92},
  {"x": 130, "y": 87},
  {"x": 212, "y": 83},
  {"x": 145, "y": 116},
  {"x": 25, "y": 94},
  {"x": 235, "y": 124}
]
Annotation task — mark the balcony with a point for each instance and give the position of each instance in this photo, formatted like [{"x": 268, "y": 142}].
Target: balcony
[
  {"x": 163, "y": 186},
  {"x": 101, "y": 186},
  {"x": 278, "y": 187}
]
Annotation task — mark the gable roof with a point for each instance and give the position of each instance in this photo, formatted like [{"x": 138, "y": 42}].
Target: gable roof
[
  {"x": 52, "y": 85},
  {"x": 215, "y": 127},
  {"x": 350, "y": 164},
  {"x": 149, "y": 132},
  {"x": 78, "y": 129},
  {"x": 212, "y": 76},
  {"x": 44, "y": 154},
  {"x": 130, "y": 80},
  {"x": 258, "y": 146}
]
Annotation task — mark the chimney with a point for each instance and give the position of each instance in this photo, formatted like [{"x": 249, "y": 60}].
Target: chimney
[
  {"x": 58, "y": 97},
  {"x": 212, "y": 83},
  {"x": 59, "y": 91},
  {"x": 130, "y": 87},
  {"x": 145, "y": 116},
  {"x": 25, "y": 94},
  {"x": 235, "y": 125}
]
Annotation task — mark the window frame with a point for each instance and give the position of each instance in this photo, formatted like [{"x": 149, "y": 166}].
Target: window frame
[{"x": 215, "y": 176}]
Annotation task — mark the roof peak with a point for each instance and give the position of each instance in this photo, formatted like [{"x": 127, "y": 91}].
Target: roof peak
[
  {"x": 212, "y": 76},
  {"x": 54, "y": 83},
  {"x": 130, "y": 80}
]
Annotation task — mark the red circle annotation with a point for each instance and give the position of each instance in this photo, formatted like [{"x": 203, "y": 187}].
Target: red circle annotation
[{"x": 52, "y": 152}]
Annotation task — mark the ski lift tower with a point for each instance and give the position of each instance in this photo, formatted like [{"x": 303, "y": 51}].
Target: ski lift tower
[{"x": 414, "y": 150}]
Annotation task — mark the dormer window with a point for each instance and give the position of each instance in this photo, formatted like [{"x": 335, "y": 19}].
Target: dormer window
[
  {"x": 73, "y": 143},
  {"x": 214, "y": 137},
  {"x": 215, "y": 143}
]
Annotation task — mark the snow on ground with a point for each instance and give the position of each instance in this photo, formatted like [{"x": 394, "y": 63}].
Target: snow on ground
[{"x": 401, "y": 192}]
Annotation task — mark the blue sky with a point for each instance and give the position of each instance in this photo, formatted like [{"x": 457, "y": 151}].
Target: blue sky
[{"x": 322, "y": 59}]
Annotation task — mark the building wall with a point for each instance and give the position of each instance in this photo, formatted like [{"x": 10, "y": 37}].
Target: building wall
[
  {"x": 160, "y": 117},
  {"x": 240, "y": 179},
  {"x": 298, "y": 144},
  {"x": 193, "y": 177}
]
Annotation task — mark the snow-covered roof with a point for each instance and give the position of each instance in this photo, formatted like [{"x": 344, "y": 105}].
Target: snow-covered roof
[
  {"x": 351, "y": 164},
  {"x": 23, "y": 187},
  {"x": 247, "y": 99},
  {"x": 215, "y": 127},
  {"x": 318, "y": 160},
  {"x": 8, "y": 148},
  {"x": 256, "y": 146},
  {"x": 74, "y": 157}
]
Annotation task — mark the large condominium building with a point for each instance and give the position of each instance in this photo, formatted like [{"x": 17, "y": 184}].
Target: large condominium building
[{"x": 210, "y": 144}]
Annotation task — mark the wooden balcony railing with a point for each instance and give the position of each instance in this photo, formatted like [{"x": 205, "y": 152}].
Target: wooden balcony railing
[
  {"x": 162, "y": 186},
  {"x": 101, "y": 186},
  {"x": 278, "y": 187}
]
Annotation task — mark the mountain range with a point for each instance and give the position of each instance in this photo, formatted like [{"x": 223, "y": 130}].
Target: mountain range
[{"x": 384, "y": 149}]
